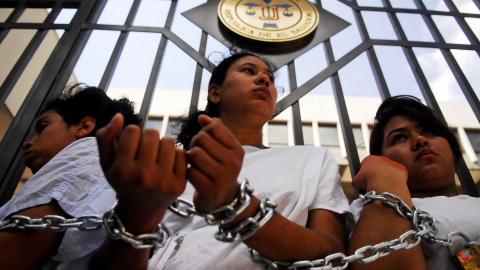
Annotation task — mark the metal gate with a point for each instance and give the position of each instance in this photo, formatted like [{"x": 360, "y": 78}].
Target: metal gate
[{"x": 62, "y": 60}]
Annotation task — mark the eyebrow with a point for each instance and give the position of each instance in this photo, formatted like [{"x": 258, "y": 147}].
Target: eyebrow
[
  {"x": 395, "y": 130},
  {"x": 40, "y": 120},
  {"x": 255, "y": 65}
]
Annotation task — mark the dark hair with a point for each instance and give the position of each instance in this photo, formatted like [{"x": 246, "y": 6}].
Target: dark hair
[
  {"x": 79, "y": 101},
  {"x": 190, "y": 126},
  {"x": 412, "y": 108}
]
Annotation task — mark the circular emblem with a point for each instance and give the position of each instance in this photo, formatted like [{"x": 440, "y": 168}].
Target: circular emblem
[{"x": 269, "y": 20}]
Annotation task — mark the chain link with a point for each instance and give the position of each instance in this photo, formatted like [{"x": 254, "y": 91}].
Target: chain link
[
  {"x": 264, "y": 214},
  {"x": 116, "y": 230},
  {"x": 229, "y": 211}
]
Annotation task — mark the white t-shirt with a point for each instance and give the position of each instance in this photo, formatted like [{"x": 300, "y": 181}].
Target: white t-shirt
[
  {"x": 75, "y": 180},
  {"x": 453, "y": 214},
  {"x": 298, "y": 179}
]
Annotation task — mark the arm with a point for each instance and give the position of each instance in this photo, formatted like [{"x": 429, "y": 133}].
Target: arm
[
  {"x": 38, "y": 244},
  {"x": 324, "y": 234},
  {"x": 148, "y": 174},
  {"x": 378, "y": 222},
  {"x": 216, "y": 158}
]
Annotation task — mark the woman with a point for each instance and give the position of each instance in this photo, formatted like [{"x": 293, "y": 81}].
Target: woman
[
  {"x": 67, "y": 181},
  {"x": 413, "y": 156},
  {"x": 225, "y": 147}
]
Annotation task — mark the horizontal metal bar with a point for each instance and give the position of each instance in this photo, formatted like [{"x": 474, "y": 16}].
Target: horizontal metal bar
[
  {"x": 35, "y": 26},
  {"x": 124, "y": 28},
  {"x": 433, "y": 45},
  {"x": 418, "y": 11},
  {"x": 39, "y": 3}
]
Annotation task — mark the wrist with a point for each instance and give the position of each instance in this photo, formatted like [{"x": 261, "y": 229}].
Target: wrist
[
  {"x": 138, "y": 220},
  {"x": 241, "y": 230}
]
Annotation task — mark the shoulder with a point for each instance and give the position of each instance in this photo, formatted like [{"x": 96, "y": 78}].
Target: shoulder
[
  {"x": 86, "y": 144},
  {"x": 74, "y": 172}
]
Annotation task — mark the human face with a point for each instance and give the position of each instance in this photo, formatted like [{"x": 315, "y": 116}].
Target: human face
[
  {"x": 248, "y": 92},
  {"x": 51, "y": 135},
  {"x": 427, "y": 157}
]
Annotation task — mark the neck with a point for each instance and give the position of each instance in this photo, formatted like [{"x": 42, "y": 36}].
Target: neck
[
  {"x": 247, "y": 136},
  {"x": 449, "y": 191}
]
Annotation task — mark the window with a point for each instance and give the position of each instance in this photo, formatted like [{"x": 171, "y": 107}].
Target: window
[
  {"x": 357, "y": 134},
  {"x": 307, "y": 134},
  {"x": 474, "y": 138},
  {"x": 328, "y": 135},
  {"x": 155, "y": 123},
  {"x": 277, "y": 134}
]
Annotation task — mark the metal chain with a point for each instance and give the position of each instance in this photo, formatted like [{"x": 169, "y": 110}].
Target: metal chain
[
  {"x": 425, "y": 227},
  {"x": 264, "y": 214},
  {"x": 229, "y": 211},
  {"x": 52, "y": 223},
  {"x": 116, "y": 230}
]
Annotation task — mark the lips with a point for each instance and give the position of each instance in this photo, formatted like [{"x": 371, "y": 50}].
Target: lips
[
  {"x": 425, "y": 152},
  {"x": 27, "y": 157},
  {"x": 263, "y": 90}
]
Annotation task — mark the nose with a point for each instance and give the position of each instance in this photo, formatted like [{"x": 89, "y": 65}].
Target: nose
[
  {"x": 420, "y": 141},
  {"x": 263, "y": 79},
  {"x": 26, "y": 145}
]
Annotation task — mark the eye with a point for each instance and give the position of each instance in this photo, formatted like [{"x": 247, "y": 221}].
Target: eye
[
  {"x": 398, "y": 137},
  {"x": 249, "y": 70},
  {"x": 426, "y": 130},
  {"x": 41, "y": 127},
  {"x": 272, "y": 78}
]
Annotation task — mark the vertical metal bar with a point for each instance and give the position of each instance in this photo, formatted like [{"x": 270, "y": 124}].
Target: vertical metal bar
[
  {"x": 352, "y": 153},
  {"x": 463, "y": 24},
  {"x": 77, "y": 49},
  {"x": 412, "y": 60},
  {"x": 372, "y": 56},
  {"x": 26, "y": 56},
  {"x": 465, "y": 177},
  {"x": 21, "y": 126},
  {"x": 456, "y": 70},
  {"x": 117, "y": 51},
  {"x": 477, "y": 3},
  {"x": 147, "y": 98},
  {"x": 297, "y": 118},
  {"x": 198, "y": 77}
]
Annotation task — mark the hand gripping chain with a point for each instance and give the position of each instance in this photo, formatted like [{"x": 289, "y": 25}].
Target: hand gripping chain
[
  {"x": 424, "y": 228},
  {"x": 424, "y": 225}
]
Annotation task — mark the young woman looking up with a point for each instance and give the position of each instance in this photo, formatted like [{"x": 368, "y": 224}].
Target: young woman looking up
[
  {"x": 224, "y": 146},
  {"x": 413, "y": 156}
]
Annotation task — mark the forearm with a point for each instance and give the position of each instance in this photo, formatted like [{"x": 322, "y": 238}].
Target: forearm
[
  {"x": 379, "y": 223},
  {"x": 291, "y": 241}
]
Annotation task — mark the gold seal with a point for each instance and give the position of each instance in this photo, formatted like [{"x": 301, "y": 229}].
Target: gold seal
[{"x": 269, "y": 20}]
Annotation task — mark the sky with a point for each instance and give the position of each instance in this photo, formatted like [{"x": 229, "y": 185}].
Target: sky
[{"x": 177, "y": 71}]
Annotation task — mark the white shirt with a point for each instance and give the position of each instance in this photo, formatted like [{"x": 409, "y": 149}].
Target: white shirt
[
  {"x": 298, "y": 179},
  {"x": 453, "y": 214},
  {"x": 75, "y": 180}
]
